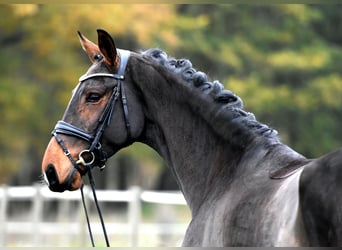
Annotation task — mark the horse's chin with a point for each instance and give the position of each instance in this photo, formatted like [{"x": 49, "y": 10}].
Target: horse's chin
[{"x": 76, "y": 183}]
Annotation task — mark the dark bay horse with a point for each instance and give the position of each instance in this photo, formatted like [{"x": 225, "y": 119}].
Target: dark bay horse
[{"x": 243, "y": 186}]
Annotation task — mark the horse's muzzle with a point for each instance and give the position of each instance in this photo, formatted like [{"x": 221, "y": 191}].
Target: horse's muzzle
[{"x": 53, "y": 181}]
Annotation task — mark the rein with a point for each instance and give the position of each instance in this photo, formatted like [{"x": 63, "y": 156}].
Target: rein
[{"x": 94, "y": 155}]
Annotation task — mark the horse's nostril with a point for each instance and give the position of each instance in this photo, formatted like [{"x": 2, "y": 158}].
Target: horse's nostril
[
  {"x": 54, "y": 182},
  {"x": 51, "y": 176}
]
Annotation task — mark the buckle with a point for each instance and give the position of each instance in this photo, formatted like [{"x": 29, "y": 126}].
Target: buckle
[{"x": 86, "y": 158}]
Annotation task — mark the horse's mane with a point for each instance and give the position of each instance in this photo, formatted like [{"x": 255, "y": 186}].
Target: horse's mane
[{"x": 232, "y": 103}]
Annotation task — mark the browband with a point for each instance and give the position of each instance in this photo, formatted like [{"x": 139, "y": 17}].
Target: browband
[{"x": 124, "y": 55}]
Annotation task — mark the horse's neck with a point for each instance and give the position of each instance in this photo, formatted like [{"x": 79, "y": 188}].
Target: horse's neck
[
  {"x": 191, "y": 150},
  {"x": 182, "y": 137},
  {"x": 194, "y": 136}
]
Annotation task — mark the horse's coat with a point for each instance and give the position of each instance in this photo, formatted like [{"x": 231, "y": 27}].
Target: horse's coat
[{"x": 242, "y": 185}]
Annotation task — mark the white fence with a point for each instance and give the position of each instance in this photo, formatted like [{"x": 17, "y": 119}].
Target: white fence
[{"x": 37, "y": 230}]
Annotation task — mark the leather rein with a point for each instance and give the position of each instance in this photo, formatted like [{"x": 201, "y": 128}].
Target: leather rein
[{"x": 94, "y": 155}]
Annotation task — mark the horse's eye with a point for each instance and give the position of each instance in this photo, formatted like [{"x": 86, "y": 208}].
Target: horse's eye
[{"x": 93, "y": 97}]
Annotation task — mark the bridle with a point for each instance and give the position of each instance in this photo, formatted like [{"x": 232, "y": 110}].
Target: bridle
[{"x": 94, "y": 155}]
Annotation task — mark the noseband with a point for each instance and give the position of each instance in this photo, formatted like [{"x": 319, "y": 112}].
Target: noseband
[{"x": 95, "y": 156}]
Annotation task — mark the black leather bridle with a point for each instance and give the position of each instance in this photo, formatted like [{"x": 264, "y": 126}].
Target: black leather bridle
[{"x": 95, "y": 156}]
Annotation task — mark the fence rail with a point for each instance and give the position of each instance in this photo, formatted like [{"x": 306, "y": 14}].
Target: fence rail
[{"x": 75, "y": 232}]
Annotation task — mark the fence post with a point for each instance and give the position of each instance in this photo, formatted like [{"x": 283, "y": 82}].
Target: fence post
[
  {"x": 3, "y": 214},
  {"x": 134, "y": 210},
  {"x": 37, "y": 215},
  {"x": 63, "y": 214}
]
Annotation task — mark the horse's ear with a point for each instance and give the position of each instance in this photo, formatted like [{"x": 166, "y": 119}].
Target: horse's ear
[
  {"x": 91, "y": 48},
  {"x": 107, "y": 48}
]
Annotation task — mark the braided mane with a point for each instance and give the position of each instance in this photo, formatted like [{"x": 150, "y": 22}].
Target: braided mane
[{"x": 232, "y": 103}]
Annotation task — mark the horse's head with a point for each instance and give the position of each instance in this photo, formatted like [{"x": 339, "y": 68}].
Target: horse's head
[{"x": 102, "y": 116}]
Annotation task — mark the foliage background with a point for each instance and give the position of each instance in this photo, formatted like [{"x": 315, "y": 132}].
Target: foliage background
[{"x": 284, "y": 61}]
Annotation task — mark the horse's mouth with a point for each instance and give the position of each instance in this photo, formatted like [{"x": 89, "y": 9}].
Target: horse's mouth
[{"x": 72, "y": 182}]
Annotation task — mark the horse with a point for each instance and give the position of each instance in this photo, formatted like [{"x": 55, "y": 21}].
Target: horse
[{"x": 243, "y": 186}]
